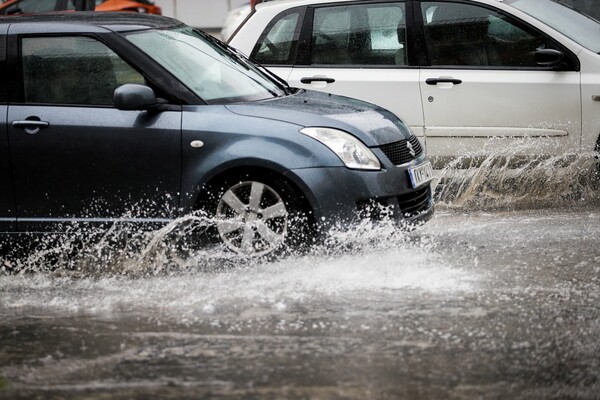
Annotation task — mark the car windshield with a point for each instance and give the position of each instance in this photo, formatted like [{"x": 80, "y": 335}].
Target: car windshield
[
  {"x": 574, "y": 25},
  {"x": 214, "y": 73}
]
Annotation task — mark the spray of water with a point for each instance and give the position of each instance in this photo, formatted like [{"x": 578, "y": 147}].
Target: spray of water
[
  {"x": 169, "y": 269},
  {"x": 158, "y": 274},
  {"x": 507, "y": 180},
  {"x": 181, "y": 245}
]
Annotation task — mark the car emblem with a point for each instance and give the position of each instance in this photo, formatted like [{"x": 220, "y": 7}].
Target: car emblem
[{"x": 411, "y": 150}]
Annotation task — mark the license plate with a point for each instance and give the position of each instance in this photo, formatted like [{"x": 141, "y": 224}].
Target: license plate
[{"x": 420, "y": 174}]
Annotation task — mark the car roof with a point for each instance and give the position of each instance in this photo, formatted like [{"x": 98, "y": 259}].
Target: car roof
[
  {"x": 294, "y": 3},
  {"x": 115, "y": 21}
]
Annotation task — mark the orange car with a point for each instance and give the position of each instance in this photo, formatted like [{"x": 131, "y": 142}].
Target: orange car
[
  {"x": 35, "y": 6},
  {"x": 142, "y": 6}
]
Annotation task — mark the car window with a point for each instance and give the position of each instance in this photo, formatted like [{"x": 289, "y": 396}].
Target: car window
[
  {"x": 72, "y": 70},
  {"x": 206, "y": 66},
  {"x": 364, "y": 34},
  {"x": 278, "y": 42},
  {"x": 459, "y": 34},
  {"x": 571, "y": 23}
]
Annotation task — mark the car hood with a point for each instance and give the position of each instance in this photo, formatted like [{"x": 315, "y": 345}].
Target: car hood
[{"x": 373, "y": 125}]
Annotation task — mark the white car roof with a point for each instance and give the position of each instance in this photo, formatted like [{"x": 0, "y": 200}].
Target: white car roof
[{"x": 295, "y": 3}]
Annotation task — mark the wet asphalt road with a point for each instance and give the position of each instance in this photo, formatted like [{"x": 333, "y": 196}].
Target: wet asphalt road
[{"x": 479, "y": 305}]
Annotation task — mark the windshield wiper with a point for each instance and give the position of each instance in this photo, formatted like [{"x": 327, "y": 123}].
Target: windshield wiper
[
  {"x": 282, "y": 83},
  {"x": 247, "y": 63}
]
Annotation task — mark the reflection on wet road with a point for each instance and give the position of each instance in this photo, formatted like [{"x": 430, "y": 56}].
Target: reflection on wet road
[{"x": 484, "y": 304}]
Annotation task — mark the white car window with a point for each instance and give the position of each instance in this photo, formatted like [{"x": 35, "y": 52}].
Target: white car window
[
  {"x": 278, "y": 42},
  {"x": 383, "y": 24},
  {"x": 578, "y": 27},
  {"x": 364, "y": 34},
  {"x": 459, "y": 34}
]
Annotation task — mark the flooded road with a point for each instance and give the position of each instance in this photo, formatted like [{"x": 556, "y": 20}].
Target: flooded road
[
  {"x": 502, "y": 304},
  {"x": 498, "y": 296}
]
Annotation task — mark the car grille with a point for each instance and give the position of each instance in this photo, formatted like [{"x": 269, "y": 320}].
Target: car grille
[
  {"x": 399, "y": 152},
  {"x": 415, "y": 202}
]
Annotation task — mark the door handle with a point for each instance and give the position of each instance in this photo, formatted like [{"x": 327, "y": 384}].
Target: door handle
[
  {"x": 312, "y": 79},
  {"x": 31, "y": 126},
  {"x": 435, "y": 81}
]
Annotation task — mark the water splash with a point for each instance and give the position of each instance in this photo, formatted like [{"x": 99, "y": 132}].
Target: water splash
[
  {"x": 123, "y": 249},
  {"x": 184, "y": 244},
  {"x": 508, "y": 181},
  {"x": 389, "y": 257},
  {"x": 152, "y": 277}
]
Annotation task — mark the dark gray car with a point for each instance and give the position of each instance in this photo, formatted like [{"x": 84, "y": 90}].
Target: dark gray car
[{"x": 124, "y": 117}]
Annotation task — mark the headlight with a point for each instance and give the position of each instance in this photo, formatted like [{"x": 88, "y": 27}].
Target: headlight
[{"x": 348, "y": 148}]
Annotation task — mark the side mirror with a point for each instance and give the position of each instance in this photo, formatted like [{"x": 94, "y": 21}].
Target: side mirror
[
  {"x": 132, "y": 96},
  {"x": 549, "y": 58}
]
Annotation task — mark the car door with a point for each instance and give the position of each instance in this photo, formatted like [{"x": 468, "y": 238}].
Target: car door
[
  {"x": 484, "y": 81},
  {"x": 7, "y": 200},
  {"x": 361, "y": 50},
  {"x": 76, "y": 157}
]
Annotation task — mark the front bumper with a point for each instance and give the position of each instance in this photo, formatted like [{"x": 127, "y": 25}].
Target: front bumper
[{"x": 341, "y": 195}]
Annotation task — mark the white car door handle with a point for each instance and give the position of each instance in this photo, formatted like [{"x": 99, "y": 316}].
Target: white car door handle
[
  {"x": 311, "y": 79},
  {"x": 435, "y": 81}
]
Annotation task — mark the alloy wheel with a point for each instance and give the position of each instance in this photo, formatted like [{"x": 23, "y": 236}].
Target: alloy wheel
[{"x": 252, "y": 219}]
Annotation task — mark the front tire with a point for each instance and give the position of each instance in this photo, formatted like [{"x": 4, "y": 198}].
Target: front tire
[{"x": 258, "y": 216}]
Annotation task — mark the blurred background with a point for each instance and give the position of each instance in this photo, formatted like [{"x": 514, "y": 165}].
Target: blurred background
[{"x": 208, "y": 15}]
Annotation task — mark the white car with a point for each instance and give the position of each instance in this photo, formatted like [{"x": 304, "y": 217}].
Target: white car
[{"x": 467, "y": 76}]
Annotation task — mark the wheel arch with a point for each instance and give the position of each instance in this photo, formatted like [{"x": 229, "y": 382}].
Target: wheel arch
[{"x": 238, "y": 171}]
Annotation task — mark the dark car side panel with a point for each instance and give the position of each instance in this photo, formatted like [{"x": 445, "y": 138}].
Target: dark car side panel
[
  {"x": 91, "y": 163},
  {"x": 94, "y": 163},
  {"x": 7, "y": 200}
]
